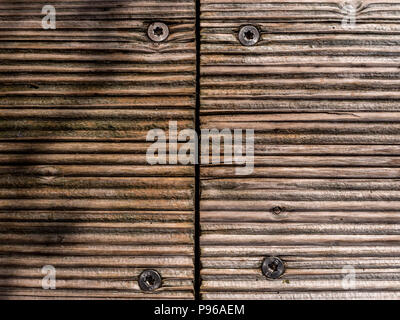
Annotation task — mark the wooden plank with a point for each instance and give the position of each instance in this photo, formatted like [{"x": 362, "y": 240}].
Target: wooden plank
[
  {"x": 322, "y": 102},
  {"x": 76, "y": 191}
]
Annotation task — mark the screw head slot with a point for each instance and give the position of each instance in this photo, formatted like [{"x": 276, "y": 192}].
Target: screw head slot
[
  {"x": 249, "y": 35},
  {"x": 149, "y": 280},
  {"x": 273, "y": 267},
  {"x": 158, "y": 31}
]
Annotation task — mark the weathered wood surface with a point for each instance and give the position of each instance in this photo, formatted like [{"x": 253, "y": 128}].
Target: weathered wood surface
[
  {"x": 76, "y": 192},
  {"x": 324, "y": 104}
]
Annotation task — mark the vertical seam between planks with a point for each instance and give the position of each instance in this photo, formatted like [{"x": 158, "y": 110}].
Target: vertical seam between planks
[{"x": 197, "y": 249}]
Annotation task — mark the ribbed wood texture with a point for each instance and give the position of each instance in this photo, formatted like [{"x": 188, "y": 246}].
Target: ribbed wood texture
[
  {"x": 324, "y": 104},
  {"x": 76, "y": 192}
]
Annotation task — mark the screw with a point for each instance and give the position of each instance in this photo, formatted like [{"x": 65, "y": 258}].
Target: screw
[
  {"x": 158, "y": 31},
  {"x": 273, "y": 267},
  {"x": 277, "y": 210},
  {"x": 249, "y": 35},
  {"x": 149, "y": 280}
]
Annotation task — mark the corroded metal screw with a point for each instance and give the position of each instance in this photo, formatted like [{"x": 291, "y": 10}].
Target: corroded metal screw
[
  {"x": 273, "y": 267},
  {"x": 149, "y": 280},
  {"x": 249, "y": 35},
  {"x": 158, "y": 31}
]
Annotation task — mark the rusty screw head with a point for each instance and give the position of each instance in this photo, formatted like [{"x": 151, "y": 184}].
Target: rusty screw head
[
  {"x": 149, "y": 280},
  {"x": 158, "y": 31},
  {"x": 273, "y": 267},
  {"x": 249, "y": 35}
]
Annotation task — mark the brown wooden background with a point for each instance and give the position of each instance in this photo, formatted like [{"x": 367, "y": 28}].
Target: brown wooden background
[{"x": 76, "y": 192}]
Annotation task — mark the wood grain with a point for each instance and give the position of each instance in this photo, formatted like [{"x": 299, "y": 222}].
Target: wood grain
[
  {"x": 324, "y": 105},
  {"x": 76, "y": 192}
]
